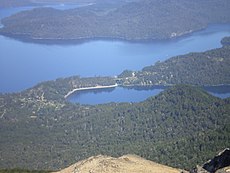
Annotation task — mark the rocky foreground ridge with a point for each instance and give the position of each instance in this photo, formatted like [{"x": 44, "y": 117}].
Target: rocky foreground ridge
[
  {"x": 135, "y": 164},
  {"x": 124, "y": 164},
  {"x": 219, "y": 164}
]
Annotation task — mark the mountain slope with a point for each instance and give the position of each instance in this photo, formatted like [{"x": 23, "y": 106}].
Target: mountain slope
[{"x": 182, "y": 121}]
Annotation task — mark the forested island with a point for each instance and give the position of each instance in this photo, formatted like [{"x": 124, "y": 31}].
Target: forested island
[
  {"x": 181, "y": 127},
  {"x": 134, "y": 21}
]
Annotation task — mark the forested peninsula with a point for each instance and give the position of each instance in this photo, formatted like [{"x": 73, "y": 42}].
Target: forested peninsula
[
  {"x": 133, "y": 21},
  {"x": 205, "y": 68}
]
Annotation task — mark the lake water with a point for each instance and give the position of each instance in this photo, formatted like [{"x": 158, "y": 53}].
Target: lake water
[
  {"x": 24, "y": 64},
  {"x": 118, "y": 94},
  {"x": 133, "y": 94}
]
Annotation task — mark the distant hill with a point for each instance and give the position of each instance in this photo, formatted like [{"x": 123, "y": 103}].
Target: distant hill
[
  {"x": 124, "y": 164},
  {"x": 22, "y": 3},
  {"x": 140, "y": 20}
]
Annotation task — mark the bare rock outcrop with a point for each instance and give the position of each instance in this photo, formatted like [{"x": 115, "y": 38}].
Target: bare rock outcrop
[{"x": 124, "y": 164}]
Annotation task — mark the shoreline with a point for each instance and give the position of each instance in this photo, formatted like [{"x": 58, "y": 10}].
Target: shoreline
[
  {"x": 90, "y": 88},
  {"x": 24, "y": 37},
  {"x": 133, "y": 86}
]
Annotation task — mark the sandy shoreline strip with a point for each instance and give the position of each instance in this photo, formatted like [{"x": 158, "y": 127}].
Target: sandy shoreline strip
[{"x": 90, "y": 88}]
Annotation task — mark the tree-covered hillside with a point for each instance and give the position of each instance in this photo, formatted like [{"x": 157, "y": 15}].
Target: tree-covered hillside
[
  {"x": 226, "y": 41},
  {"x": 205, "y": 68},
  {"x": 139, "y": 20},
  {"x": 180, "y": 127}
]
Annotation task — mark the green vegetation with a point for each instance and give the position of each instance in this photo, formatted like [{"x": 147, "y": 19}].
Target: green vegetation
[
  {"x": 140, "y": 20},
  {"x": 206, "y": 68},
  {"x": 180, "y": 127},
  {"x": 21, "y": 171},
  {"x": 56, "y": 90},
  {"x": 225, "y": 41}
]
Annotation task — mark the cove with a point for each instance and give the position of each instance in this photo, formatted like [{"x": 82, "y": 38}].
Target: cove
[
  {"x": 118, "y": 94},
  {"x": 133, "y": 94},
  {"x": 24, "y": 64}
]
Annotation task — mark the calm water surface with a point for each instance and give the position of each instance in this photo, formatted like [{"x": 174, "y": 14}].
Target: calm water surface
[
  {"x": 118, "y": 94},
  {"x": 23, "y": 65},
  {"x": 136, "y": 94}
]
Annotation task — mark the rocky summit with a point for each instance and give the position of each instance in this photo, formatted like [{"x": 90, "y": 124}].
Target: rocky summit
[{"x": 124, "y": 164}]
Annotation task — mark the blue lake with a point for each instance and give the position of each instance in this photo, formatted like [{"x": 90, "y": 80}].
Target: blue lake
[
  {"x": 24, "y": 64},
  {"x": 118, "y": 94},
  {"x": 132, "y": 94}
]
